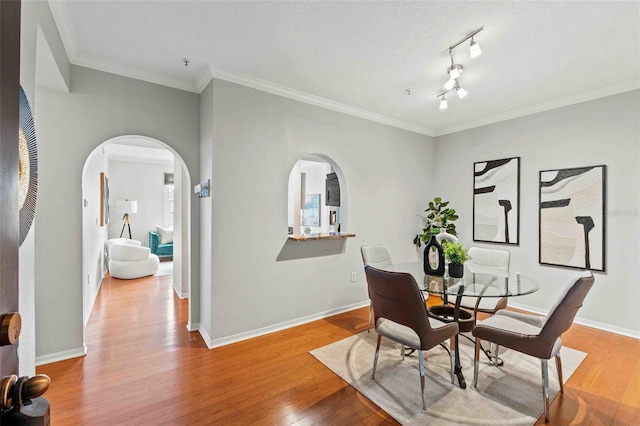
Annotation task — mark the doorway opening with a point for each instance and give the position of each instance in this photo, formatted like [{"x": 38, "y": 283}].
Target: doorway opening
[{"x": 133, "y": 187}]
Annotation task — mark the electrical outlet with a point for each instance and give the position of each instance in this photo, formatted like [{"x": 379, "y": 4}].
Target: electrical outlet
[{"x": 353, "y": 277}]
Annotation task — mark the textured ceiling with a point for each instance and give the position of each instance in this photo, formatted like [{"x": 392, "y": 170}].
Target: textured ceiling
[{"x": 360, "y": 57}]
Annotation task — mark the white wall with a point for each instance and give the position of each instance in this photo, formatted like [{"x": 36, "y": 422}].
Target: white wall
[
  {"x": 603, "y": 131},
  {"x": 204, "y": 205},
  {"x": 180, "y": 228},
  {"x": 39, "y": 39},
  {"x": 144, "y": 183},
  {"x": 100, "y": 107},
  {"x": 257, "y": 139},
  {"x": 93, "y": 235}
]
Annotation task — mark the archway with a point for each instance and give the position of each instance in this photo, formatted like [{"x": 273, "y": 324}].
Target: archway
[
  {"x": 312, "y": 176},
  {"x": 153, "y": 155}
]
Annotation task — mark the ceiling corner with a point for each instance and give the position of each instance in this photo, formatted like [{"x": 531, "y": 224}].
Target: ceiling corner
[{"x": 204, "y": 78}]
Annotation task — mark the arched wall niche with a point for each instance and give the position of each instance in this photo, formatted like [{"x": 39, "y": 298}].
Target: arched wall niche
[{"x": 307, "y": 183}]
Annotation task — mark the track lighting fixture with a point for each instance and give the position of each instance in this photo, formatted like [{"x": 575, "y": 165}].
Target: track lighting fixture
[{"x": 455, "y": 70}]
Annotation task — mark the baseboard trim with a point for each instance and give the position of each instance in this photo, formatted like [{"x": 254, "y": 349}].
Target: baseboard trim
[
  {"x": 205, "y": 337},
  {"x": 223, "y": 341},
  {"x": 588, "y": 323},
  {"x": 180, "y": 295},
  {"x": 193, "y": 327},
  {"x": 61, "y": 356}
]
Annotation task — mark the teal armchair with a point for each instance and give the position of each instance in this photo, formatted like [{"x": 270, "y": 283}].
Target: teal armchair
[{"x": 161, "y": 250}]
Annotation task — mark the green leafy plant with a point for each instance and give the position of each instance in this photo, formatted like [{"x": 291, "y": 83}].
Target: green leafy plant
[
  {"x": 455, "y": 253},
  {"x": 438, "y": 217}
]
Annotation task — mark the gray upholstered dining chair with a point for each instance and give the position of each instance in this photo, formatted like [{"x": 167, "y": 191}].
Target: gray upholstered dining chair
[
  {"x": 379, "y": 257},
  {"x": 401, "y": 315},
  {"x": 486, "y": 260},
  {"x": 535, "y": 335}
]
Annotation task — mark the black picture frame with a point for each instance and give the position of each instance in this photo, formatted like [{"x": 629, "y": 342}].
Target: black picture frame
[
  {"x": 571, "y": 217},
  {"x": 496, "y": 201}
]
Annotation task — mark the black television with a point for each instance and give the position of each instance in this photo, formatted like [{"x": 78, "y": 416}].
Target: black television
[{"x": 332, "y": 186}]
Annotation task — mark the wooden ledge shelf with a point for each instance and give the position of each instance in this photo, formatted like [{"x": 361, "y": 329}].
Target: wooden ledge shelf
[{"x": 313, "y": 237}]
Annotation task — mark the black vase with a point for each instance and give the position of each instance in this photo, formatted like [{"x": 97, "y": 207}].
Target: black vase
[
  {"x": 456, "y": 270},
  {"x": 434, "y": 245}
]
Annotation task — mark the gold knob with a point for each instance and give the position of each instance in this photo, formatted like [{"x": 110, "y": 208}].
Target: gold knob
[
  {"x": 5, "y": 391},
  {"x": 10, "y": 328},
  {"x": 35, "y": 386}
]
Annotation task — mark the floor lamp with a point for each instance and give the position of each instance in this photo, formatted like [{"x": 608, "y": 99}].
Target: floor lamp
[{"x": 127, "y": 207}]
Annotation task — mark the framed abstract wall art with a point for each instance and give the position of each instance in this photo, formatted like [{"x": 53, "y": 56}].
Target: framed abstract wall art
[
  {"x": 572, "y": 217},
  {"x": 311, "y": 212},
  {"x": 104, "y": 199},
  {"x": 496, "y": 201}
]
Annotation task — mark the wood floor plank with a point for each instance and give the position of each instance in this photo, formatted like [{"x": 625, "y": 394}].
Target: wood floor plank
[{"x": 153, "y": 371}]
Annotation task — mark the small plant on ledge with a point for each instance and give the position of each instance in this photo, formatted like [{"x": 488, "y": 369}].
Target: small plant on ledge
[{"x": 438, "y": 217}]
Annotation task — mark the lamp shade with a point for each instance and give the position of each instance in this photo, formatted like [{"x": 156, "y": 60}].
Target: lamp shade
[{"x": 127, "y": 207}]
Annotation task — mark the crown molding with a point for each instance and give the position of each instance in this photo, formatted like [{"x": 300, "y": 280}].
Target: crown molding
[
  {"x": 204, "y": 78},
  {"x": 589, "y": 95},
  {"x": 130, "y": 71},
  {"x": 63, "y": 22},
  {"x": 300, "y": 96}
]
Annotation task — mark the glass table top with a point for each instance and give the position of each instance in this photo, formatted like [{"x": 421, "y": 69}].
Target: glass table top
[{"x": 477, "y": 281}]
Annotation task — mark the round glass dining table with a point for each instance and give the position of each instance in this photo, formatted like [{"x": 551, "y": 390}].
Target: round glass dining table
[{"x": 476, "y": 283}]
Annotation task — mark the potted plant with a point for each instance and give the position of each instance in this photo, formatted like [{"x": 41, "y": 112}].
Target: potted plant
[
  {"x": 456, "y": 254},
  {"x": 438, "y": 217}
]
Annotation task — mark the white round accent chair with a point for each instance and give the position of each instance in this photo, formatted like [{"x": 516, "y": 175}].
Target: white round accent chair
[{"x": 128, "y": 261}]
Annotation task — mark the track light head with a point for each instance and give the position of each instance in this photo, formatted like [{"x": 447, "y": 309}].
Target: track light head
[
  {"x": 455, "y": 70},
  {"x": 474, "y": 49},
  {"x": 443, "y": 103},
  {"x": 461, "y": 92},
  {"x": 450, "y": 84}
]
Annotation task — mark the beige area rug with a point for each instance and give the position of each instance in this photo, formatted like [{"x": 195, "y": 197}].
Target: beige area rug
[{"x": 507, "y": 395}]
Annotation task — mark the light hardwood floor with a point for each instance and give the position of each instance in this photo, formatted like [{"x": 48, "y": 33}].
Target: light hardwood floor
[{"x": 143, "y": 367}]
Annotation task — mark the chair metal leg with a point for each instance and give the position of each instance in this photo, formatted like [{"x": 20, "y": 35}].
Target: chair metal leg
[
  {"x": 452, "y": 356},
  {"x": 545, "y": 389},
  {"x": 495, "y": 355},
  {"x": 370, "y": 314},
  {"x": 402, "y": 351},
  {"x": 421, "y": 362},
  {"x": 375, "y": 359},
  {"x": 559, "y": 368},
  {"x": 476, "y": 361}
]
